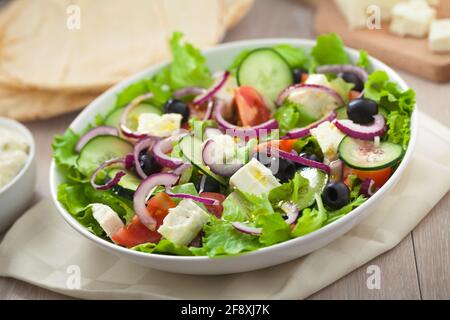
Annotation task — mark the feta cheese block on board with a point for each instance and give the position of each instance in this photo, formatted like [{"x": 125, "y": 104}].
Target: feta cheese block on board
[
  {"x": 254, "y": 178},
  {"x": 328, "y": 137},
  {"x": 183, "y": 222},
  {"x": 412, "y": 18},
  {"x": 439, "y": 38},
  {"x": 356, "y": 11},
  {"x": 107, "y": 218}
]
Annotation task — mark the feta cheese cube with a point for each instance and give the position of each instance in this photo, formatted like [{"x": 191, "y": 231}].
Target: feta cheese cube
[
  {"x": 412, "y": 18},
  {"x": 183, "y": 222},
  {"x": 159, "y": 126},
  {"x": 319, "y": 79},
  {"x": 329, "y": 138},
  {"x": 254, "y": 178},
  {"x": 107, "y": 218},
  {"x": 439, "y": 40},
  {"x": 227, "y": 151}
]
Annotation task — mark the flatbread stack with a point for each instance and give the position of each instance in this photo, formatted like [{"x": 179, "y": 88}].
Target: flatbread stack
[{"x": 58, "y": 55}]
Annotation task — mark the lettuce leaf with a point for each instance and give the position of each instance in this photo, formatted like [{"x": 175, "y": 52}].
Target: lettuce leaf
[
  {"x": 221, "y": 238},
  {"x": 290, "y": 116},
  {"x": 164, "y": 247},
  {"x": 242, "y": 206},
  {"x": 275, "y": 229},
  {"x": 292, "y": 190},
  {"x": 311, "y": 219},
  {"x": 399, "y": 104},
  {"x": 337, "y": 214},
  {"x": 308, "y": 144},
  {"x": 294, "y": 56},
  {"x": 329, "y": 49},
  {"x": 363, "y": 60},
  {"x": 188, "y": 66}
]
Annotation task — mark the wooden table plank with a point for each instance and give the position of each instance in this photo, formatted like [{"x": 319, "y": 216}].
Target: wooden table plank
[{"x": 288, "y": 18}]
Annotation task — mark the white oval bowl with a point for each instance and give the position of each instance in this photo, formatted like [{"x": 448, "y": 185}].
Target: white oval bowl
[
  {"x": 16, "y": 195},
  {"x": 219, "y": 58}
]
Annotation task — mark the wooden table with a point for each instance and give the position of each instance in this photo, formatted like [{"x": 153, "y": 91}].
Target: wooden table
[{"x": 418, "y": 268}]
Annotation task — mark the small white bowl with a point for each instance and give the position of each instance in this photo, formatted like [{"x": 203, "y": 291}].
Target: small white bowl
[
  {"x": 219, "y": 58},
  {"x": 16, "y": 195}
]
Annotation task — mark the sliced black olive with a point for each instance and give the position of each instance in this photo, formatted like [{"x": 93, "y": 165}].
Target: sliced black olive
[
  {"x": 148, "y": 163},
  {"x": 177, "y": 106},
  {"x": 352, "y": 78},
  {"x": 297, "y": 74},
  {"x": 336, "y": 195},
  {"x": 362, "y": 110}
]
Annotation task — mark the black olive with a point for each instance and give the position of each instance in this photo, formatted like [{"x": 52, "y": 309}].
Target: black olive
[
  {"x": 177, "y": 106},
  {"x": 207, "y": 184},
  {"x": 350, "y": 77},
  {"x": 336, "y": 195},
  {"x": 362, "y": 110},
  {"x": 148, "y": 163},
  {"x": 282, "y": 169},
  {"x": 297, "y": 74}
]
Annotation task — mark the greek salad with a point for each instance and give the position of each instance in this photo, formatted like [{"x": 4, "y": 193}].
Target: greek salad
[{"x": 191, "y": 162}]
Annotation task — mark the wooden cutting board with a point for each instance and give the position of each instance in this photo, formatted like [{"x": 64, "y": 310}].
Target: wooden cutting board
[{"x": 408, "y": 54}]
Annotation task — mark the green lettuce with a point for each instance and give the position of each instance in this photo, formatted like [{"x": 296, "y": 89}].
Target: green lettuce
[
  {"x": 337, "y": 214},
  {"x": 274, "y": 228},
  {"x": 290, "y": 116},
  {"x": 329, "y": 49},
  {"x": 292, "y": 190},
  {"x": 311, "y": 219},
  {"x": 363, "y": 60},
  {"x": 294, "y": 56},
  {"x": 164, "y": 247},
  {"x": 399, "y": 104},
  {"x": 308, "y": 144}
]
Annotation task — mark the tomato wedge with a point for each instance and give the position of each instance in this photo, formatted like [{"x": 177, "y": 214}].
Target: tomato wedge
[
  {"x": 353, "y": 94},
  {"x": 214, "y": 209},
  {"x": 136, "y": 232},
  {"x": 251, "y": 107},
  {"x": 378, "y": 176}
]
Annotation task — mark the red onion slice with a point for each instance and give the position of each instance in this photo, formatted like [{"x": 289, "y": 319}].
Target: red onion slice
[
  {"x": 221, "y": 79},
  {"x": 206, "y": 201},
  {"x": 303, "y": 161},
  {"x": 367, "y": 187},
  {"x": 209, "y": 110},
  {"x": 129, "y": 161},
  {"x": 291, "y": 211},
  {"x": 97, "y": 131},
  {"x": 222, "y": 169},
  {"x": 338, "y": 68},
  {"x": 142, "y": 192},
  {"x": 301, "y": 132},
  {"x": 233, "y": 130},
  {"x": 162, "y": 147},
  {"x": 123, "y": 119},
  {"x": 315, "y": 87},
  {"x": 111, "y": 183},
  {"x": 364, "y": 132},
  {"x": 144, "y": 144},
  {"x": 242, "y": 227},
  {"x": 188, "y": 91},
  {"x": 336, "y": 170}
]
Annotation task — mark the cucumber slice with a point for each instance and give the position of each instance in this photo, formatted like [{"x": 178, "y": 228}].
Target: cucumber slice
[
  {"x": 100, "y": 149},
  {"x": 129, "y": 181},
  {"x": 113, "y": 119},
  {"x": 266, "y": 71},
  {"x": 317, "y": 182},
  {"x": 192, "y": 150},
  {"x": 364, "y": 155}
]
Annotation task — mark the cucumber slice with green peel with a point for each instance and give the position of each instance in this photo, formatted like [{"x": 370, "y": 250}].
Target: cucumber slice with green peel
[
  {"x": 99, "y": 149},
  {"x": 317, "y": 182},
  {"x": 192, "y": 149},
  {"x": 113, "y": 119},
  {"x": 265, "y": 70},
  {"x": 129, "y": 181},
  {"x": 366, "y": 155}
]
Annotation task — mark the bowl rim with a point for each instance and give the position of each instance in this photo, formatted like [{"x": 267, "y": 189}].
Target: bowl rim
[
  {"x": 24, "y": 131},
  {"x": 311, "y": 237}
]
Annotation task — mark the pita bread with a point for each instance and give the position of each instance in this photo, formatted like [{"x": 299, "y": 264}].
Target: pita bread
[
  {"x": 38, "y": 104},
  {"x": 116, "y": 39}
]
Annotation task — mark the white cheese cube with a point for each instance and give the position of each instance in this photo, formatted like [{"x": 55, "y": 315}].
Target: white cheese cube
[
  {"x": 357, "y": 14},
  {"x": 318, "y": 79},
  {"x": 254, "y": 178},
  {"x": 226, "y": 150},
  {"x": 412, "y": 18},
  {"x": 107, "y": 218},
  {"x": 159, "y": 126},
  {"x": 439, "y": 40},
  {"x": 183, "y": 222},
  {"x": 328, "y": 137}
]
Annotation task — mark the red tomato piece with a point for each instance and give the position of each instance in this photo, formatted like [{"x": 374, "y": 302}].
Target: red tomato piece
[
  {"x": 214, "y": 209},
  {"x": 251, "y": 107},
  {"x": 135, "y": 233}
]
